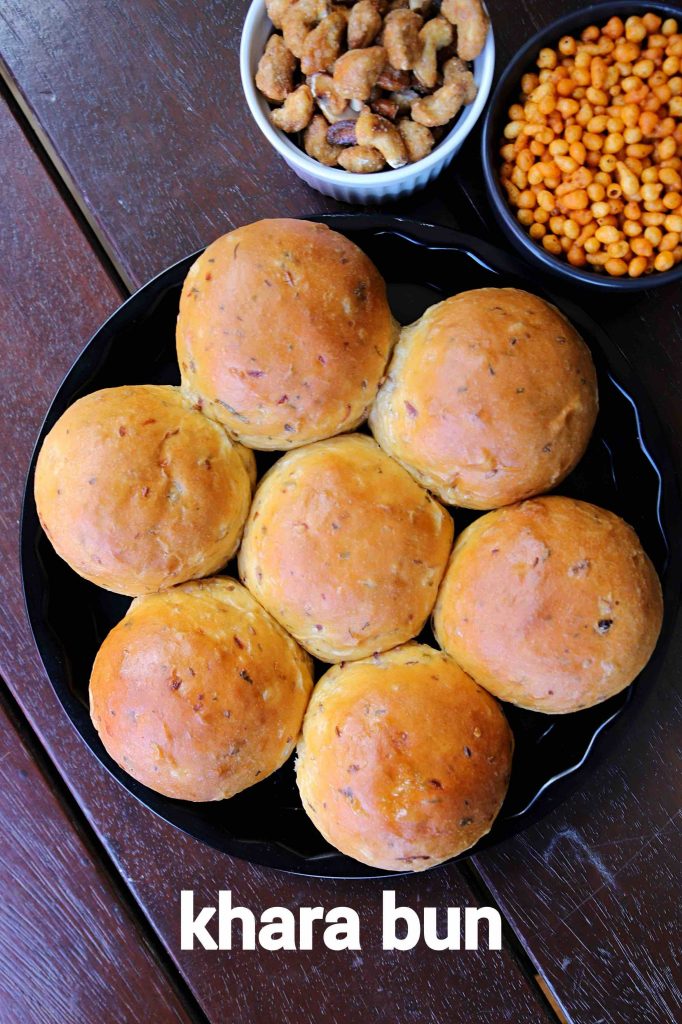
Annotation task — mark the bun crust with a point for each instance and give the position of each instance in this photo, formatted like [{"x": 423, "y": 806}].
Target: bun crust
[
  {"x": 491, "y": 397},
  {"x": 138, "y": 491},
  {"x": 551, "y": 604},
  {"x": 404, "y": 761},
  {"x": 344, "y": 548},
  {"x": 284, "y": 333},
  {"x": 249, "y": 462},
  {"x": 197, "y": 692}
]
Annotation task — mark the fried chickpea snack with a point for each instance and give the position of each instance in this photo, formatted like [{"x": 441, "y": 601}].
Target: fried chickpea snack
[{"x": 592, "y": 152}]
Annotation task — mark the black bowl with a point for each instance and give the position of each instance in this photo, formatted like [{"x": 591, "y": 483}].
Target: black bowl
[
  {"x": 626, "y": 468},
  {"x": 506, "y": 93}
]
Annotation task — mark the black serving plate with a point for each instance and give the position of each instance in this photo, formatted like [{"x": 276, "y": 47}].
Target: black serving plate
[{"x": 626, "y": 469}]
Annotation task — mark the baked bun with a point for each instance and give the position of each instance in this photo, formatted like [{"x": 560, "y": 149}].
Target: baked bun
[
  {"x": 249, "y": 461},
  {"x": 491, "y": 397},
  {"x": 197, "y": 692},
  {"x": 284, "y": 333},
  {"x": 404, "y": 761},
  {"x": 344, "y": 548},
  {"x": 138, "y": 491},
  {"x": 551, "y": 604}
]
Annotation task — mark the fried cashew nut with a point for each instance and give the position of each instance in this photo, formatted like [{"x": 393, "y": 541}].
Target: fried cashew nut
[
  {"x": 296, "y": 112},
  {"x": 323, "y": 44},
  {"x": 275, "y": 75},
  {"x": 277, "y": 9},
  {"x": 316, "y": 145},
  {"x": 333, "y": 105},
  {"x": 361, "y": 160},
  {"x": 417, "y": 138},
  {"x": 401, "y": 39},
  {"x": 455, "y": 70},
  {"x": 300, "y": 20},
  {"x": 356, "y": 72},
  {"x": 472, "y": 25},
  {"x": 364, "y": 23},
  {"x": 434, "y": 36},
  {"x": 374, "y": 130},
  {"x": 441, "y": 106}
]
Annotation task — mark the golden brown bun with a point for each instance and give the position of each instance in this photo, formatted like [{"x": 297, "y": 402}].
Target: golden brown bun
[
  {"x": 284, "y": 333},
  {"x": 137, "y": 490},
  {"x": 344, "y": 548},
  {"x": 249, "y": 460},
  {"x": 404, "y": 761},
  {"x": 490, "y": 397},
  {"x": 551, "y": 604},
  {"x": 197, "y": 692}
]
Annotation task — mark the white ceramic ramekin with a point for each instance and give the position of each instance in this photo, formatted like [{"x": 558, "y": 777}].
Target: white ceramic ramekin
[{"x": 333, "y": 181}]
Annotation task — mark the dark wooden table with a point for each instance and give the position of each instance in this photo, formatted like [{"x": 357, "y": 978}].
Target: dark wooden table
[{"x": 125, "y": 143}]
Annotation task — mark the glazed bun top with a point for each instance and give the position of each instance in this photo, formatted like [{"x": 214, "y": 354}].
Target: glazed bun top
[
  {"x": 138, "y": 491},
  {"x": 197, "y": 692},
  {"x": 551, "y": 604},
  {"x": 344, "y": 548},
  {"x": 491, "y": 397},
  {"x": 284, "y": 333},
  {"x": 404, "y": 761}
]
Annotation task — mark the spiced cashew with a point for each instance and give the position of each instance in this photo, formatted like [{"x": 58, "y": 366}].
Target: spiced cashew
[
  {"x": 275, "y": 74},
  {"x": 277, "y": 9},
  {"x": 333, "y": 105},
  {"x": 361, "y": 160},
  {"x": 296, "y": 112},
  {"x": 434, "y": 36},
  {"x": 300, "y": 19},
  {"x": 471, "y": 22},
  {"x": 417, "y": 138},
  {"x": 356, "y": 72},
  {"x": 455, "y": 70},
  {"x": 440, "y": 107},
  {"x": 373, "y": 130},
  {"x": 401, "y": 38},
  {"x": 316, "y": 144},
  {"x": 323, "y": 44},
  {"x": 364, "y": 23}
]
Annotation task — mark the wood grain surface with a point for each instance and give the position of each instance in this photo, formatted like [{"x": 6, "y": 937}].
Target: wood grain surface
[
  {"x": 142, "y": 109},
  {"x": 68, "y": 949},
  {"x": 54, "y": 292}
]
